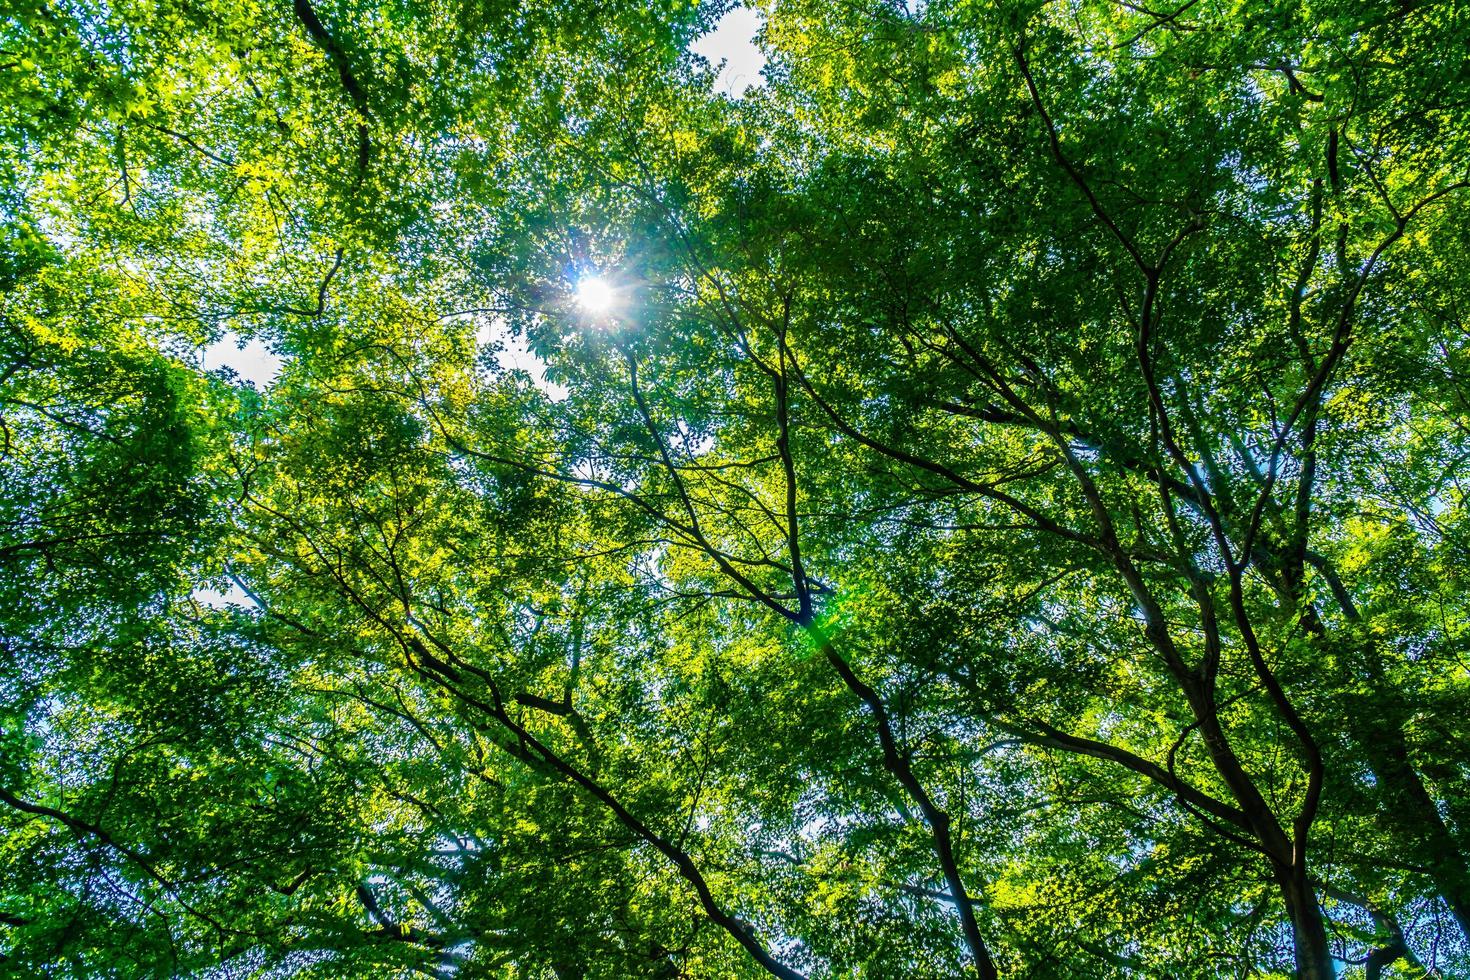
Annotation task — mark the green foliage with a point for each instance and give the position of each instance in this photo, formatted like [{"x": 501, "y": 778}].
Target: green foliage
[{"x": 1010, "y": 521}]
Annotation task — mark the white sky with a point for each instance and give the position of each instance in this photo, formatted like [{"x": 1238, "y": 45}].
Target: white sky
[
  {"x": 733, "y": 42},
  {"x": 254, "y": 362},
  {"x": 232, "y": 596}
]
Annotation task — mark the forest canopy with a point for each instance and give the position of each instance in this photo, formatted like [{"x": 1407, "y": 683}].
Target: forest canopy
[{"x": 989, "y": 499}]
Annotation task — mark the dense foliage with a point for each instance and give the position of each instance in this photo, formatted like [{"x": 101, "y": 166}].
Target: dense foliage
[{"x": 1008, "y": 516}]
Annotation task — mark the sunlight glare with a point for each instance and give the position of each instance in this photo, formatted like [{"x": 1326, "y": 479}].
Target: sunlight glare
[{"x": 595, "y": 295}]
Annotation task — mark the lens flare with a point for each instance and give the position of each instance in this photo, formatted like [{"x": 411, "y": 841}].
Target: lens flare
[{"x": 595, "y": 295}]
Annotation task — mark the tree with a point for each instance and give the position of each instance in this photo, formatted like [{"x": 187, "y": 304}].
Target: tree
[{"x": 1002, "y": 518}]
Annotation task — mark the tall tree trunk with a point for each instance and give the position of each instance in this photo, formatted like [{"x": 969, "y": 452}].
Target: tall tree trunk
[
  {"x": 1308, "y": 931},
  {"x": 1288, "y": 859},
  {"x": 1413, "y": 811},
  {"x": 1410, "y": 808}
]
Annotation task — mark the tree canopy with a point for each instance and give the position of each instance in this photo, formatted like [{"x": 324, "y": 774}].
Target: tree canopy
[{"x": 989, "y": 500}]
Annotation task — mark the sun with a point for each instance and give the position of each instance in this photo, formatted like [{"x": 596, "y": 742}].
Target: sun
[{"x": 596, "y": 295}]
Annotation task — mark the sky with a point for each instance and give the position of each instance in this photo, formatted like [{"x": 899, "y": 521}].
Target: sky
[
  {"x": 253, "y": 362},
  {"x": 731, "y": 42}
]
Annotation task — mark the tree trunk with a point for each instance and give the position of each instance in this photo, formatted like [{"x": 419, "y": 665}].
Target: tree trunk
[
  {"x": 1412, "y": 809},
  {"x": 1308, "y": 931}
]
